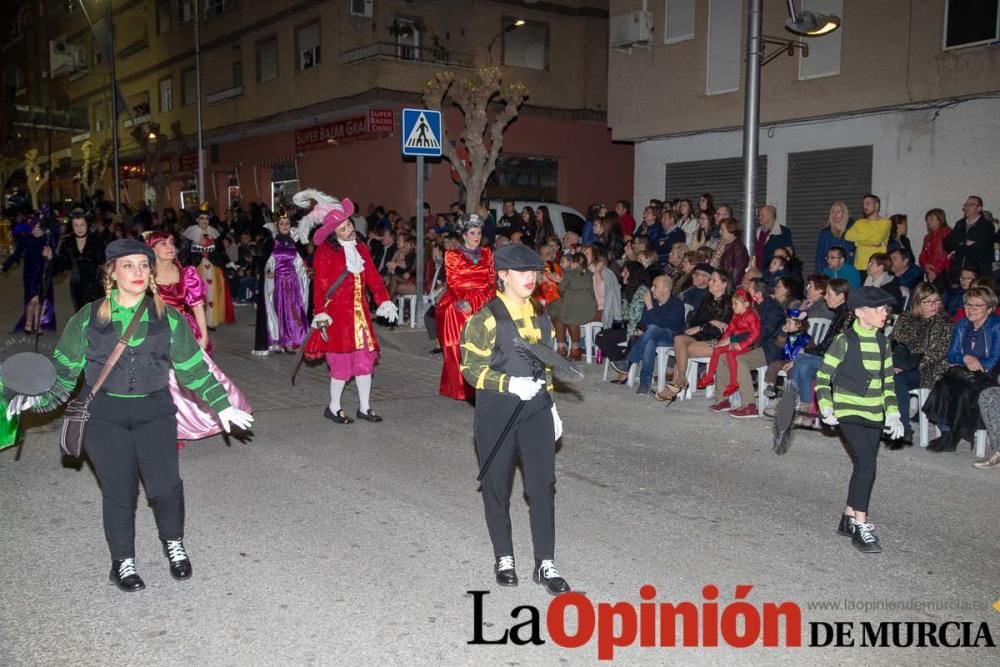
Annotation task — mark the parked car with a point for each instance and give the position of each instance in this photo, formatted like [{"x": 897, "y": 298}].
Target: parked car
[{"x": 563, "y": 218}]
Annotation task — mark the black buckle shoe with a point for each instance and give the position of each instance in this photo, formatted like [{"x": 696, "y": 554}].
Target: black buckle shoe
[
  {"x": 180, "y": 563},
  {"x": 125, "y": 577},
  {"x": 845, "y": 528},
  {"x": 369, "y": 416},
  {"x": 546, "y": 575},
  {"x": 504, "y": 569},
  {"x": 339, "y": 418}
]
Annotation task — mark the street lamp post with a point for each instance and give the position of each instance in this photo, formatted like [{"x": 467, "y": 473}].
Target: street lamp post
[{"x": 806, "y": 24}]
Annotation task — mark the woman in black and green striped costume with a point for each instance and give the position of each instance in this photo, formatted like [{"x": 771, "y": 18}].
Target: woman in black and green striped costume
[
  {"x": 855, "y": 389},
  {"x": 132, "y": 427}
]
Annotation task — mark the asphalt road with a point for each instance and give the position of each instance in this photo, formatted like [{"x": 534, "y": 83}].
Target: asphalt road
[{"x": 315, "y": 543}]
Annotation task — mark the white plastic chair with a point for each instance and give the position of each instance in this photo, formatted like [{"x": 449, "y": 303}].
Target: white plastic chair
[
  {"x": 588, "y": 331},
  {"x": 905, "y": 291},
  {"x": 401, "y": 301}
]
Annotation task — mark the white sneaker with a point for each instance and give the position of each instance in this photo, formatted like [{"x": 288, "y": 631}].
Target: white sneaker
[{"x": 991, "y": 461}]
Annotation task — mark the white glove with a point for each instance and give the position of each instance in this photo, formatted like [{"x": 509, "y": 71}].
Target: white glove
[
  {"x": 321, "y": 320},
  {"x": 388, "y": 310},
  {"x": 828, "y": 418},
  {"x": 235, "y": 417},
  {"x": 20, "y": 403},
  {"x": 893, "y": 426},
  {"x": 557, "y": 422},
  {"x": 524, "y": 388}
]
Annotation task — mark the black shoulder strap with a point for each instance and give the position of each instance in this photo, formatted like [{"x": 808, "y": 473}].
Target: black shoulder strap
[{"x": 333, "y": 288}]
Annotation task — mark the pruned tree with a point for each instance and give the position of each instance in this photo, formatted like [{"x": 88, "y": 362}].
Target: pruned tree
[
  {"x": 8, "y": 165},
  {"x": 95, "y": 165},
  {"x": 34, "y": 176},
  {"x": 488, "y": 105}
]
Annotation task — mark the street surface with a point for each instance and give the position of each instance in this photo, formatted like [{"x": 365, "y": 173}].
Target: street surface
[{"x": 315, "y": 543}]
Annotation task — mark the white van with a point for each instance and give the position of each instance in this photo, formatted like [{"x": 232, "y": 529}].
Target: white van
[{"x": 563, "y": 218}]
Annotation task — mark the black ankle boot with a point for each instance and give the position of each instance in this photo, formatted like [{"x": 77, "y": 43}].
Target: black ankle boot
[
  {"x": 505, "y": 573},
  {"x": 125, "y": 577},
  {"x": 946, "y": 443},
  {"x": 180, "y": 563}
]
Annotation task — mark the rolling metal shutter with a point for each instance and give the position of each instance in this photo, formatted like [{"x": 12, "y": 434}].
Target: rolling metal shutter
[
  {"x": 816, "y": 179},
  {"x": 722, "y": 178}
]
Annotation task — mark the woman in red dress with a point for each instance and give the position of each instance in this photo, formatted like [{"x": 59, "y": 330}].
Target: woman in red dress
[{"x": 471, "y": 282}]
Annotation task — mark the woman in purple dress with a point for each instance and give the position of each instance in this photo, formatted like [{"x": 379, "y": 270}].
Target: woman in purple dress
[
  {"x": 286, "y": 286},
  {"x": 183, "y": 289},
  {"x": 34, "y": 246}
]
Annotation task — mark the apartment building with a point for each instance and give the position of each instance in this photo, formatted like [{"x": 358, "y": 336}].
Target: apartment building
[
  {"x": 903, "y": 101},
  {"x": 307, "y": 93}
]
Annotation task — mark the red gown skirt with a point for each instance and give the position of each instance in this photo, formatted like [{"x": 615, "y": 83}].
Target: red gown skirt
[{"x": 474, "y": 283}]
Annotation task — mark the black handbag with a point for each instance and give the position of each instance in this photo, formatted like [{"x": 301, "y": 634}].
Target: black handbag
[
  {"x": 904, "y": 358},
  {"x": 74, "y": 428}
]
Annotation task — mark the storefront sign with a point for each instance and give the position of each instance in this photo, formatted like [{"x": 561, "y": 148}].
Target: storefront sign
[{"x": 378, "y": 123}]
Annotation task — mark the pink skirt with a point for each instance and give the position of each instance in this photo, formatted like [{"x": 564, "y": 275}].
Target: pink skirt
[
  {"x": 195, "y": 420},
  {"x": 345, "y": 365}
]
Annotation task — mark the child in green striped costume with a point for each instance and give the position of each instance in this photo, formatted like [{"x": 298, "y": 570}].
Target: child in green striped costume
[{"x": 854, "y": 387}]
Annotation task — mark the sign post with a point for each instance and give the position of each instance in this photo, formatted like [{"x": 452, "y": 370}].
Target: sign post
[{"x": 421, "y": 138}]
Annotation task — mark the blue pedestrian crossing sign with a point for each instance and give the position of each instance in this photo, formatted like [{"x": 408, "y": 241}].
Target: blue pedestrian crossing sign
[{"x": 421, "y": 132}]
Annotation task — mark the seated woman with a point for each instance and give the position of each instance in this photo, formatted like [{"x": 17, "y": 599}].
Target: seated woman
[
  {"x": 975, "y": 350},
  {"x": 576, "y": 304},
  {"x": 954, "y": 298},
  {"x": 686, "y": 272},
  {"x": 609, "y": 341},
  {"x": 705, "y": 327},
  {"x": 807, "y": 364},
  {"x": 920, "y": 342},
  {"x": 402, "y": 268},
  {"x": 981, "y": 281}
]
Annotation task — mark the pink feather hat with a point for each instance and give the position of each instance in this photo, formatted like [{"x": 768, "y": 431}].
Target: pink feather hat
[{"x": 337, "y": 214}]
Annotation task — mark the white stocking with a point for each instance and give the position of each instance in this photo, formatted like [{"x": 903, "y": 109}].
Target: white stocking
[
  {"x": 364, "y": 383},
  {"x": 336, "y": 391}
]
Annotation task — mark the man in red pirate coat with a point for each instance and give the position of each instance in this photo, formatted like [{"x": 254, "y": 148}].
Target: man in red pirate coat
[{"x": 343, "y": 333}]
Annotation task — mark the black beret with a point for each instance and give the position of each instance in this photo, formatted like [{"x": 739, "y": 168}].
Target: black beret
[
  {"x": 517, "y": 258},
  {"x": 77, "y": 213},
  {"x": 704, "y": 267},
  {"x": 124, "y": 247},
  {"x": 869, "y": 297}
]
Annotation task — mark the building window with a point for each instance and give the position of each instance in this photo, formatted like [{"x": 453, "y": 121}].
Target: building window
[
  {"x": 824, "y": 52},
  {"x": 185, "y": 10},
  {"x": 99, "y": 119},
  {"x": 307, "y": 46},
  {"x": 407, "y": 32},
  {"x": 166, "y": 94},
  {"x": 267, "y": 59},
  {"x": 679, "y": 20},
  {"x": 527, "y": 46},
  {"x": 238, "y": 73},
  {"x": 164, "y": 16},
  {"x": 189, "y": 87},
  {"x": 725, "y": 46},
  {"x": 98, "y": 55},
  {"x": 971, "y": 22},
  {"x": 216, "y": 7}
]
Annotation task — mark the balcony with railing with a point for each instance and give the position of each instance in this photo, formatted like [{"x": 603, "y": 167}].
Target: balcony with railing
[{"x": 427, "y": 55}]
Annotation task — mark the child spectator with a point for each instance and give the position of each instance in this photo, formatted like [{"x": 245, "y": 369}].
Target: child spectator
[
  {"x": 796, "y": 338},
  {"x": 739, "y": 337}
]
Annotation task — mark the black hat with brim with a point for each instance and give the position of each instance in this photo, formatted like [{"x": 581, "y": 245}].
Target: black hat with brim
[
  {"x": 125, "y": 247},
  {"x": 704, "y": 267},
  {"x": 517, "y": 258},
  {"x": 869, "y": 297},
  {"x": 28, "y": 373}
]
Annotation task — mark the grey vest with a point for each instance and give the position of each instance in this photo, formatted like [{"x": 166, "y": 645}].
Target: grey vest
[{"x": 140, "y": 370}]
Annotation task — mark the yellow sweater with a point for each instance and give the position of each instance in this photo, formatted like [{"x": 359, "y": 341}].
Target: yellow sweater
[{"x": 870, "y": 237}]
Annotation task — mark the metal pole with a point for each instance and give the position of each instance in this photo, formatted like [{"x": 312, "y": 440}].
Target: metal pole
[
  {"x": 197, "y": 88},
  {"x": 114, "y": 112},
  {"x": 751, "y": 125},
  {"x": 418, "y": 311}
]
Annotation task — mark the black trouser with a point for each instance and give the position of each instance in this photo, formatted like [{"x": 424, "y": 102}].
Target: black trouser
[
  {"x": 610, "y": 342},
  {"x": 532, "y": 440},
  {"x": 127, "y": 437},
  {"x": 862, "y": 445}
]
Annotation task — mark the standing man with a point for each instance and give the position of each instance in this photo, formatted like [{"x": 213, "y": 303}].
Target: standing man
[
  {"x": 837, "y": 267},
  {"x": 624, "y": 210},
  {"x": 869, "y": 234},
  {"x": 513, "y": 386},
  {"x": 342, "y": 268},
  {"x": 510, "y": 221},
  {"x": 771, "y": 236},
  {"x": 970, "y": 242}
]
